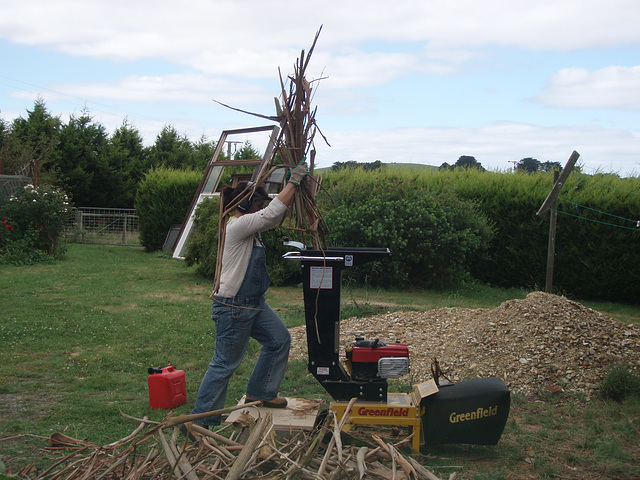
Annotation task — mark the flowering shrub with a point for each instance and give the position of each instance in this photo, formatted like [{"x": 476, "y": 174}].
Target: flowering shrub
[
  {"x": 32, "y": 224},
  {"x": 5, "y": 232}
]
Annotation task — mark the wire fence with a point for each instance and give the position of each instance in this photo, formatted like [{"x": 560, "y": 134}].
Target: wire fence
[
  {"x": 103, "y": 226},
  {"x": 9, "y": 185}
]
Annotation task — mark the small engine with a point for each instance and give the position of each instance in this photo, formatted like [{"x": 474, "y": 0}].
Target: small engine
[{"x": 370, "y": 360}]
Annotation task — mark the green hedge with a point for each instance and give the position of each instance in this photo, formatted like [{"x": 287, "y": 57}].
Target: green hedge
[
  {"x": 517, "y": 255},
  {"x": 443, "y": 227},
  {"x": 433, "y": 234},
  {"x": 598, "y": 242},
  {"x": 597, "y": 252},
  {"x": 162, "y": 200}
]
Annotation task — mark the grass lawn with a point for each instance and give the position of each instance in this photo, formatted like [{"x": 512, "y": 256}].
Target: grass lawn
[{"x": 77, "y": 338}]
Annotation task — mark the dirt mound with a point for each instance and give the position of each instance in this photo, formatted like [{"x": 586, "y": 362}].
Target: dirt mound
[{"x": 541, "y": 342}]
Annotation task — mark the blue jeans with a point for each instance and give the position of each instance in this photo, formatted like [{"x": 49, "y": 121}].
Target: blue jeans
[{"x": 236, "y": 321}]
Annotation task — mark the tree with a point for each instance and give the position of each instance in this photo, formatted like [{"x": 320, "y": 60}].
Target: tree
[
  {"x": 82, "y": 161},
  {"x": 377, "y": 165},
  {"x": 467, "y": 161},
  {"x": 4, "y": 133},
  {"x": 247, "y": 152},
  {"x": 550, "y": 166},
  {"x": 170, "y": 150},
  {"x": 528, "y": 165},
  {"x": 366, "y": 166},
  {"x": 203, "y": 150},
  {"x": 126, "y": 157},
  {"x": 33, "y": 138},
  {"x": 342, "y": 165}
]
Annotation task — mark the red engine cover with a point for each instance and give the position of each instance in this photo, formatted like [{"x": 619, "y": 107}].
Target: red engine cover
[{"x": 366, "y": 354}]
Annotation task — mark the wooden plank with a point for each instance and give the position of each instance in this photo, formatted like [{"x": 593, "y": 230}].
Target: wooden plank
[
  {"x": 300, "y": 413},
  {"x": 235, "y": 163}
]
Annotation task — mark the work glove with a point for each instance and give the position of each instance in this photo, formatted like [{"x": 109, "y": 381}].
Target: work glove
[{"x": 298, "y": 173}]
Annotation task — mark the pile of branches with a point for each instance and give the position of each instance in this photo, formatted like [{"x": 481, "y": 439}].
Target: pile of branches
[{"x": 158, "y": 450}]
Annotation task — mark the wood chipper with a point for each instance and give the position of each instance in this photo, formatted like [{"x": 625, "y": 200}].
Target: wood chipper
[{"x": 473, "y": 411}]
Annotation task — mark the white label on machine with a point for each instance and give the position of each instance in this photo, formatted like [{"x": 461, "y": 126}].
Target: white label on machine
[
  {"x": 321, "y": 277},
  {"x": 322, "y": 371}
]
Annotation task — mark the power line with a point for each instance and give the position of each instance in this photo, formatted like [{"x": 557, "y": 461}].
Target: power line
[
  {"x": 74, "y": 100},
  {"x": 599, "y": 211},
  {"x": 598, "y": 221}
]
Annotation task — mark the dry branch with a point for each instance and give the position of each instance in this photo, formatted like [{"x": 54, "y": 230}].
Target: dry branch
[
  {"x": 296, "y": 457},
  {"x": 232, "y": 456},
  {"x": 233, "y": 452},
  {"x": 332, "y": 441},
  {"x": 129, "y": 437},
  {"x": 173, "y": 421},
  {"x": 362, "y": 464},
  {"x": 395, "y": 455},
  {"x": 254, "y": 438}
]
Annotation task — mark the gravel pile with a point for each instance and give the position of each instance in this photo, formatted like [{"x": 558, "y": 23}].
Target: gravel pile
[{"x": 542, "y": 342}]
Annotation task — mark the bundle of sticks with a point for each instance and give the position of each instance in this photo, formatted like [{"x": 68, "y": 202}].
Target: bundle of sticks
[
  {"x": 297, "y": 130},
  {"x": 295, "y": 145},
  {"x": 248, "y": 448}
]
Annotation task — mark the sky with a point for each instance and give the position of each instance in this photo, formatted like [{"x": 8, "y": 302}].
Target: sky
[{"x": 404, "y": 81}]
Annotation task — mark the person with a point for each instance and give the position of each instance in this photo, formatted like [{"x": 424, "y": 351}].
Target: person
[{"x": 239, "y": 309}]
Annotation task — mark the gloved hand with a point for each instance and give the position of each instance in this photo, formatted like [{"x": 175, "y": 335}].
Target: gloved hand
[{"x": 298, "y": 173}]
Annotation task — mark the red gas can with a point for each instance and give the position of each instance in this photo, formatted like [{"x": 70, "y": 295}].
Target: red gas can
[{"x": 167, "y": 387}]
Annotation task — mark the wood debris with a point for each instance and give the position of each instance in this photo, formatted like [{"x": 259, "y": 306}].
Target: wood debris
[
  {"x": 542, "y": 343},
  {"x": 247, "y": 449}
]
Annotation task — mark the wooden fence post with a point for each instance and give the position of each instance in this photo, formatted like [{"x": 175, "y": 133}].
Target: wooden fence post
[
  {"x": 551, "y": 203},
  {"x": 551, "y": 249}
]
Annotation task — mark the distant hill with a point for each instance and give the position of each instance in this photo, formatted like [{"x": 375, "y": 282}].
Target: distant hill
[{"x": 410, "y": 166}]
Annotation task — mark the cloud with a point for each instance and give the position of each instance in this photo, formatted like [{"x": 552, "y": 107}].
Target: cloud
[
  {"x": 202, "y": 33},
  {"x": 611, "y": 87},
  {"x": 138, "y": 92},
  {"x": 363, "y": 43},
  {"x": 419, "y": 63},
  {"x": 184, "y": 88}
]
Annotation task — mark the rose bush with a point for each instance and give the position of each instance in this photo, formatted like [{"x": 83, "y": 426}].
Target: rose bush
[{"x": 33, "y": 221}]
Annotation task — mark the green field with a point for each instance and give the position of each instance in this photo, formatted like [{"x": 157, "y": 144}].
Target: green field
[{"x": 77, "y": 337}]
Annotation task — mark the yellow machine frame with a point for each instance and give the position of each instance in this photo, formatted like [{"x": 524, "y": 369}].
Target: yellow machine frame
[{"x": 400, "y": 409}]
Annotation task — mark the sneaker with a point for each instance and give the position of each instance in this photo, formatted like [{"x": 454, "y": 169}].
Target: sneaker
[{"x": 278, "y": 402}]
